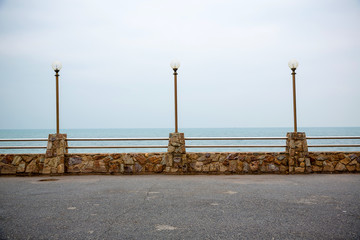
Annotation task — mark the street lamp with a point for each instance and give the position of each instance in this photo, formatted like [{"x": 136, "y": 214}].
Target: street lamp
[
  {"x": 57, "y": 66},
  {"x": 175, "y": 64},
  {"x": 293, "y": 64}
]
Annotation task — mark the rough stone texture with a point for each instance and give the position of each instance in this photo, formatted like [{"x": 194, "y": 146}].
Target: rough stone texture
[
  {"x": 175, "y": 159},
  {"x": 298, "y": 155},
  {"x": 55, "y": 154},
  {"x": 197, "y": 163}
]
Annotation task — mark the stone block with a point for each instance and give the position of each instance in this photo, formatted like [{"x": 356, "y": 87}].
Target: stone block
[
  {"x": 16, "y": 161},
  {"x": 141, "y": 159},
  {"x": 223, "y": 168},
  {"x": 232, "y": 166},
  {"x": 7, "y": 169},
  {"x": 158, "y": 168},
  {"x": 345, "y": 161},
  {"x": 351, "y": 168},
  {"x": 328, "y": 167},
  {"x": 283, "y": 169},
  {"x": 299, "y": 169},
  {"x": 353, "y": 162},
  {"x": 128, "y": 160},
  {"x": 21, "y": 167},
  {"x": 32, "y": 167},
  {"x": 340, "y": 167}
]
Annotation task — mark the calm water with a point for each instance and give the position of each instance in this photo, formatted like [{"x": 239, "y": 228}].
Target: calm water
[{"x": 189, "y": 132}]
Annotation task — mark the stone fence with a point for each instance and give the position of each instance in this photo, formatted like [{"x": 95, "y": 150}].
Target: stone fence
[{"x": 295, "y": 160}]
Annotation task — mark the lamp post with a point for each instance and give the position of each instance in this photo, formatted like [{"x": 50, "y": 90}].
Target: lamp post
[
  {"x": 57, "y": 66},
  {"x": 175, "y": 64},
  {"x": 293, "y": 64}
]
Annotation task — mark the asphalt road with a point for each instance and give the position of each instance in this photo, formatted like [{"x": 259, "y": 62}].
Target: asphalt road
[{"x": 181, "y": 207}]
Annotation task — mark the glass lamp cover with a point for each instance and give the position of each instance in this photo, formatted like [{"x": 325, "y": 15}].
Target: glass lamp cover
[
  {"x": 56, "y": 65},
  {"x": 175, "y": 64},
  {"x": 293, "y": 64}
]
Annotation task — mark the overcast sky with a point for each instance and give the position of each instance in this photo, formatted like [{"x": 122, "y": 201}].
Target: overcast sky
[{"x": 233, "y": 55}]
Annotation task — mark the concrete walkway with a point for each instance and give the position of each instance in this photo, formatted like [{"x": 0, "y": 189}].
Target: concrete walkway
[{"x": 181, "y": 207}]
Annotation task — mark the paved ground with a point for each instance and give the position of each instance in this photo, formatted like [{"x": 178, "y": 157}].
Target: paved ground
[{"x": 181, "y": 207}]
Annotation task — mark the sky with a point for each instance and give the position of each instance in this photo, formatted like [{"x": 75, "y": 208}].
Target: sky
[{"x": 234, "y": 63}]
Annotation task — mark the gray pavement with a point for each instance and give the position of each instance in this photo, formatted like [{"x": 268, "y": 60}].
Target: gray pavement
[{"x": 181, "y": 207}]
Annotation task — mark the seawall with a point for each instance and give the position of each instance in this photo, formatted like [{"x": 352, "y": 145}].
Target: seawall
[{"x": 191, "y": 163}]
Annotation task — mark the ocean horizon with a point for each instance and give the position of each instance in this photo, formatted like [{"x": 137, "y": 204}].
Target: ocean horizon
[{"x": 189, "y": 132}]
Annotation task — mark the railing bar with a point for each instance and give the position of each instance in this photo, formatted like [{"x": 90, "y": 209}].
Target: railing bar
[
  {"x": 334, "y": 137},
  {"x": 235, "y": 138},
  {"x": 79, "y": 147},
  {"x": 23, "y": 139},
  {"x": 235, "y": 146},
  {"x": 336, "y": 145},
  {"x": 22, "y": 147},
  {"x": 117, "y": 139}
]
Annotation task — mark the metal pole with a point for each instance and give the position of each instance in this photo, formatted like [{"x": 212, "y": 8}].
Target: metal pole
[
  {"x": 294, "y": 98},
  {"x": 57, "y": 101},
  {"x": 175, "y": 90}
]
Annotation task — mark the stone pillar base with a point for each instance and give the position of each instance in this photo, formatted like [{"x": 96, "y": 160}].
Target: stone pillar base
[
  {"x": 176, "y": 155},
  {"x": 298, "y": 154},
  {"x": 55, "y": 154}
]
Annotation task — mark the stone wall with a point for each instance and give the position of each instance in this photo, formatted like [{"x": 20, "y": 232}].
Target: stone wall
[{"x": 192, "y": 163}]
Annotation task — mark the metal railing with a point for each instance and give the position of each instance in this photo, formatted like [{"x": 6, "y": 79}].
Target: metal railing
[
  {"x": 234, "y": 139},
  {"x": 333, "y": 138},
  {"x": 186, "y": 139},
  {"x": 116, "y": 139},
  {"x": 23, "y": 140}
]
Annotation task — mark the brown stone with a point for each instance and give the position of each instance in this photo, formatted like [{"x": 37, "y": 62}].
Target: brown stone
[
  {"x": 340, "y": 167},
  {"x": 269, "y": 159},
  {"x": 240, "y": 166},
  {"x": 138, "y": 167},
  {"x": 206, "y": 168},
  {"x": 21, "y": 167},
  {"x": 158, "y": 168},
  {"x": 316, "y": 168},
  {"x": 16, "y": 161},
  {"x": 113, "y": 167},
  {"x": 74, "y": 160},
  {"x": 272, "y": 168},
  {"x": 277, "y": 162},
  {"x": 351, "y": 168},
  {"x": 140, "y": 158},
  {"x": 116, "y": 156},
  {"x": 128, "y": 160},
  {"x": 223, "y": 168},
  {"x": 254, "y": 166},
  {"x": 214, "y": 167},
  {"x": 328, "y": 167},
  {"x": 99, "y": 166},
  {"x": 232, "y": 156},
  {"x": 319, "y": 163},
  {"x": 232, "y": 165},
  {"x": 28, "y": 159},
  {"x": 60, "y": 168},
  {"x": 7, "y": 169},
  {"x": 87, "y": 167},
  {"x": 299, "y": 169},
  {"x": 291, "y": 162},
  {"x": 353, "y": 162},
  {"x": 32, "y": 167},
  {"x": 149, "y": 167},
  {"x": 46, "y": 170},
  {"x": 283, "y": 169},
  {"x": 302, "y": 164},
  {"x": 128, "y": 169},
  {"x": 155, "y": 159},
  {"x": 345, "y": 161}
]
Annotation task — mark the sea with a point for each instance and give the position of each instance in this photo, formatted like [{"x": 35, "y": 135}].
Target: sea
[{"x": 189, "y": 132}]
